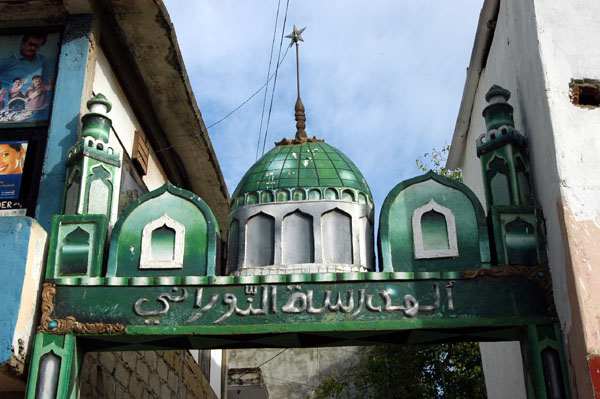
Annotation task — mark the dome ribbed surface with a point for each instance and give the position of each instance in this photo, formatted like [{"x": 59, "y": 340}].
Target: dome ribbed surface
[{"x": 311, "y": 167}]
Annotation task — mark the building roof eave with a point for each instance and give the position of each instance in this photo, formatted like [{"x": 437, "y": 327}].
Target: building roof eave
[
  {"x": 483, "y": 41},
  {"x": 141, "y": 45}
]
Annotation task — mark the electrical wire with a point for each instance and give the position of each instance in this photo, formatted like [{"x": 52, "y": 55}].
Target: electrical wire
[
  {"x": 280, "y": 60},
  {"x": 226, "y": 116},
  {"x": 263, "y": 363},
  {"x": 249, "y": 98},
  {"x": 275, "y": 80},
  {"x": 262, "y": 115}
]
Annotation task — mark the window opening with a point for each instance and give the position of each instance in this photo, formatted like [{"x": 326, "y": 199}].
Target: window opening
[
  {"x": 163, "y": 243},
  {"x": 434, "y": 232},
  {"x": 497, "y": 175}
]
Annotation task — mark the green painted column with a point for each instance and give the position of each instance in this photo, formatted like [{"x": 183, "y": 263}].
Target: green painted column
[
  {"x": 503, "y": 152},
  {"x": 513, "y": 215},
  {"x": 54, "y": 368},
  {"x": 93, "y": 167},
  {"x": 545, "y": 362}
]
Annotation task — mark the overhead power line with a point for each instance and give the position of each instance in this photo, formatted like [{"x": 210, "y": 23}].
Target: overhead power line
[
  {"x": 249, "y": 98},
  {"x": 262, "y": 115},
  {"x": 276, "y": 70}
]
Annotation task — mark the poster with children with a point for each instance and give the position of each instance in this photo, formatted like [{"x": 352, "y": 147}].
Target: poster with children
[
  {"x": 12, "y": 162},
  {"x": 27, "y": 73}
]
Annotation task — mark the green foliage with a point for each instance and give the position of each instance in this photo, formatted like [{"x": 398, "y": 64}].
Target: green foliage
[
  {"x": 436, "y": 161},
  {"x": 409, "y": 372}
]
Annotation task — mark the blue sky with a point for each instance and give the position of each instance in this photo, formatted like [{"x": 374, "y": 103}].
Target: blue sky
[{"x": 380, "y": 80}]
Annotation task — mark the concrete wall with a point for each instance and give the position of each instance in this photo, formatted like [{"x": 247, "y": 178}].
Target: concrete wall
[
  {"x": 294, "y": 373},
  {"x": 503, "y": 370},
  {"x": 569, "y": 49},
  {"x": 538, "y": 47},
  {"x": 124, "y": 121},
  {"x": 217, "y": 371},
  {"x": 513, "y": 63},
  {"x": 23, "y": 247}
]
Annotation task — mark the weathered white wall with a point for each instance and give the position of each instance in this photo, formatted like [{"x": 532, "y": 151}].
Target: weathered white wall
[
  {"x": 569, "y": 49},
  {"x": 34, "y": 274},
  {"x": 216, "y": 361},
  {"x": 294, "y": 373},
  {"x": 569, "y": 43},
  {"x": 538, "y": 47},
  {"x": 29, "y": 307},
  {"x": 124, "y": 121},
  {"x": 503, "y": 370},
  {"x": 513, "y": 63}
]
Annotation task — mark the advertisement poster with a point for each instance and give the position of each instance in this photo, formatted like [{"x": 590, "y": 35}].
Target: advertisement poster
[
  {"x": 27, "y": 72},
  {"x": 12, "y": 162}
]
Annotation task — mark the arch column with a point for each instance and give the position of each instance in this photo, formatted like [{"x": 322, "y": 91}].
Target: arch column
[
  {"x": 317, "y": 236},
  {"x": 55, "y": 367},
  {"x": 546, "y": 375}
]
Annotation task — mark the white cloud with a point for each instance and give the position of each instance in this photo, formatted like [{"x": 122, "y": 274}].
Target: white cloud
[{"x": 381, "y": 80}]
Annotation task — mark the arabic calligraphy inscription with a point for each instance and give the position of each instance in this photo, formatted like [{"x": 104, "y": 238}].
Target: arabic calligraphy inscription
[{"x": 299, "y": 301}]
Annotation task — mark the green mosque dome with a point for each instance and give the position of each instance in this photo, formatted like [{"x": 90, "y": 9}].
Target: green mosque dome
[{"x": 302, "y": 171}]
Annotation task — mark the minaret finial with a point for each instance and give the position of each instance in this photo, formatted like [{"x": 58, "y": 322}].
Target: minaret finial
[
  {"x": 301, "y": 137},
  {"x": 296, "y": 37}
]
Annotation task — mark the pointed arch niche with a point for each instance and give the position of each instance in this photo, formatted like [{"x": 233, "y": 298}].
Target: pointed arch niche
[
  {"x": 75, "y": 252},
  {"x": 497, "y": 175},
  {"x": 72, "y": 196},
  {"x": 163, "y": 242},
  {"x": 260, "y": 240},
  {"x": 297, "y": 238},
  {"x": 434, "y": 232},
  {"x": 336, "y": 237},
  {"x": 99, "y": 191}
]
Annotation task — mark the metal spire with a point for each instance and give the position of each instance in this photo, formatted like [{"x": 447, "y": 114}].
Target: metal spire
[
  {"x": 301, "y": 138},
  {"x": 295, "y": 37}
]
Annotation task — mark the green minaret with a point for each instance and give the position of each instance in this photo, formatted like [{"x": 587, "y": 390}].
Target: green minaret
[
  {"x": 503, "y": 154},
  {"x": 93, "y": 167},
  {"x": 91, "y": 197},
  {"x": 504, "y": 157}
]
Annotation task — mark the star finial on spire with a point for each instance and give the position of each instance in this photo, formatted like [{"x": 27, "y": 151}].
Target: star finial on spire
[
  {"x": 296, "y": 35},
  {"x": 300, "y": 115}
]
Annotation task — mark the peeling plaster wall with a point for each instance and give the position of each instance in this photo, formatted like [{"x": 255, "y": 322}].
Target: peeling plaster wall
[
  {"x": 23, "y": 248},
  {"x": 568, "y": 38},
  {"x": 538, "y": 47},
  {"x": 567, "y": 34},
  {"x": 124, "y": 121}
]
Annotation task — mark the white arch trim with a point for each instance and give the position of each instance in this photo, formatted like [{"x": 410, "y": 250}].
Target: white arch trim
[
  {"x": 420, "y": 252},
  {"x": 146, "y": 260}
]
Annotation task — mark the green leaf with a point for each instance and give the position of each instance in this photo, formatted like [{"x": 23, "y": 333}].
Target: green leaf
[{"x": 435, "y": 161}]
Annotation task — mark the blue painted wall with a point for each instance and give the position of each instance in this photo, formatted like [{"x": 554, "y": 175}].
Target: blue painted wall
[
  {"x": 64, "y": 121},
  {"x": 15, "y": 233}
]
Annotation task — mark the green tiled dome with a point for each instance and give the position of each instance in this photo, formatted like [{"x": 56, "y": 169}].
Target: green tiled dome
[{"x": 295, "y": 172}]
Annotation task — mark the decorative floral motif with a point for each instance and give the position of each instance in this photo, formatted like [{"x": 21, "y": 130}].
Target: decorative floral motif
[
  {"x": 69, "y": 325},
  {"x": 534, "y": 272}
]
